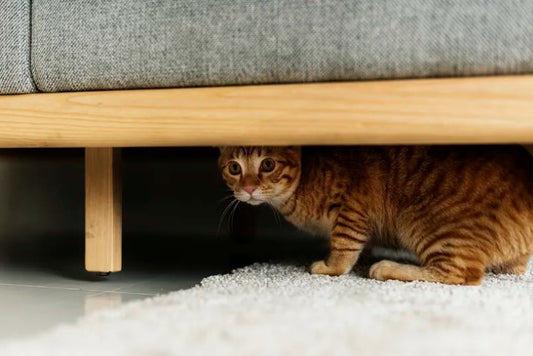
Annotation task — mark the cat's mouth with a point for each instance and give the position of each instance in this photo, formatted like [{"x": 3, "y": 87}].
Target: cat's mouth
[
  {"x": 250, "y": 200},
  {"x": 254, "y": 201}
]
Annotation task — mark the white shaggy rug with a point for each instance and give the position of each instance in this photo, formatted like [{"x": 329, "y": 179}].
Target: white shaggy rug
[{"x": 282, "y": 310}]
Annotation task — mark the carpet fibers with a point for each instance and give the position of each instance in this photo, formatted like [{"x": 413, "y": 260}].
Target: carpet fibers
[{"x": 269, "y": 309}]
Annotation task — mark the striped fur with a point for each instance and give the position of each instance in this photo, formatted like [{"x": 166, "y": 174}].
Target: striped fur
[{"x": 461, "y": 209}]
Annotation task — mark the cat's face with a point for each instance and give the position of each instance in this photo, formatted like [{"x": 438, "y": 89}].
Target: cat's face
[{"x": 261, "y": 174}]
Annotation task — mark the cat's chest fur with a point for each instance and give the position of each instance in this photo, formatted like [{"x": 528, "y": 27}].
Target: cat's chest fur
[{"x": 313, "y": 213}]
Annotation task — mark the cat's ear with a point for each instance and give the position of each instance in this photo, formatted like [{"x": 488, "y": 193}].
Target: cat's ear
[{"x": 221, "y": 149}]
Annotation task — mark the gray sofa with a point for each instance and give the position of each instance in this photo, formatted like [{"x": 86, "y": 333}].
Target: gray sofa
[{"x": 70, "y": 45}]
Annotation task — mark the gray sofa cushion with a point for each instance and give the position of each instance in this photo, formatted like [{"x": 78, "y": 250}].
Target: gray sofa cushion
[
  {"x": 15, "y": 74},
  {"x": 106, "y": 44}
]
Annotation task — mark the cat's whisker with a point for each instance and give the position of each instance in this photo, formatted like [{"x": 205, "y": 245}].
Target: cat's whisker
[
  {"x": 232, "y": 215},
  {"x": 224, "y": 213},
  {"x": 276, "y": 214},
  {"x": 225, "y": 198},
  {"x": 280, "y": 217}
]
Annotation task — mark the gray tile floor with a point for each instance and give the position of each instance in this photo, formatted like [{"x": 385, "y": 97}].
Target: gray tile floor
[
  {"x": 33, "y": 299},
  {"x": 43, "y": 288}
]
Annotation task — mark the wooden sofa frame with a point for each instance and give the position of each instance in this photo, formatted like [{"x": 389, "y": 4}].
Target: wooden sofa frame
[{"x": 429, "y": 111}]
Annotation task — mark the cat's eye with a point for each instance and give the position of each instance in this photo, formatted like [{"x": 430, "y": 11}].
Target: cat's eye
[
  {"x": 234, "y": 168},
  {"x": 268, "y": 165}
]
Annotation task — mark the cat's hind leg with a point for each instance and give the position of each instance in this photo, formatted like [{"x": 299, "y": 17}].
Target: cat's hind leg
[
  {"x": 444, "y": 271},
  {"x": 447, "y": 257}
]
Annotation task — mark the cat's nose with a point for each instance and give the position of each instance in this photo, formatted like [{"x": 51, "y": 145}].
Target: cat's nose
[{"x": 250, "y": 189}]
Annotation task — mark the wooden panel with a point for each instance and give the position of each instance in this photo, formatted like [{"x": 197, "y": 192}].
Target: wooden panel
[
  {"x": 103, "y": 210},
  {"x": 459, "y": 110}
]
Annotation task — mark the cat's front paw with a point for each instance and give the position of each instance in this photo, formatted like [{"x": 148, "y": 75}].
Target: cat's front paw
[{"x": 320, "y": 267}]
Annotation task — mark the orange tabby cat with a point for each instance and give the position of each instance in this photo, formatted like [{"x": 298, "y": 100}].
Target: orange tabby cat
[{"x": 460, "y": 209}]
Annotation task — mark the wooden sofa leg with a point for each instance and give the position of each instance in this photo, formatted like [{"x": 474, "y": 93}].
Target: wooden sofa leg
[{"x": 103, "y": 210}]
